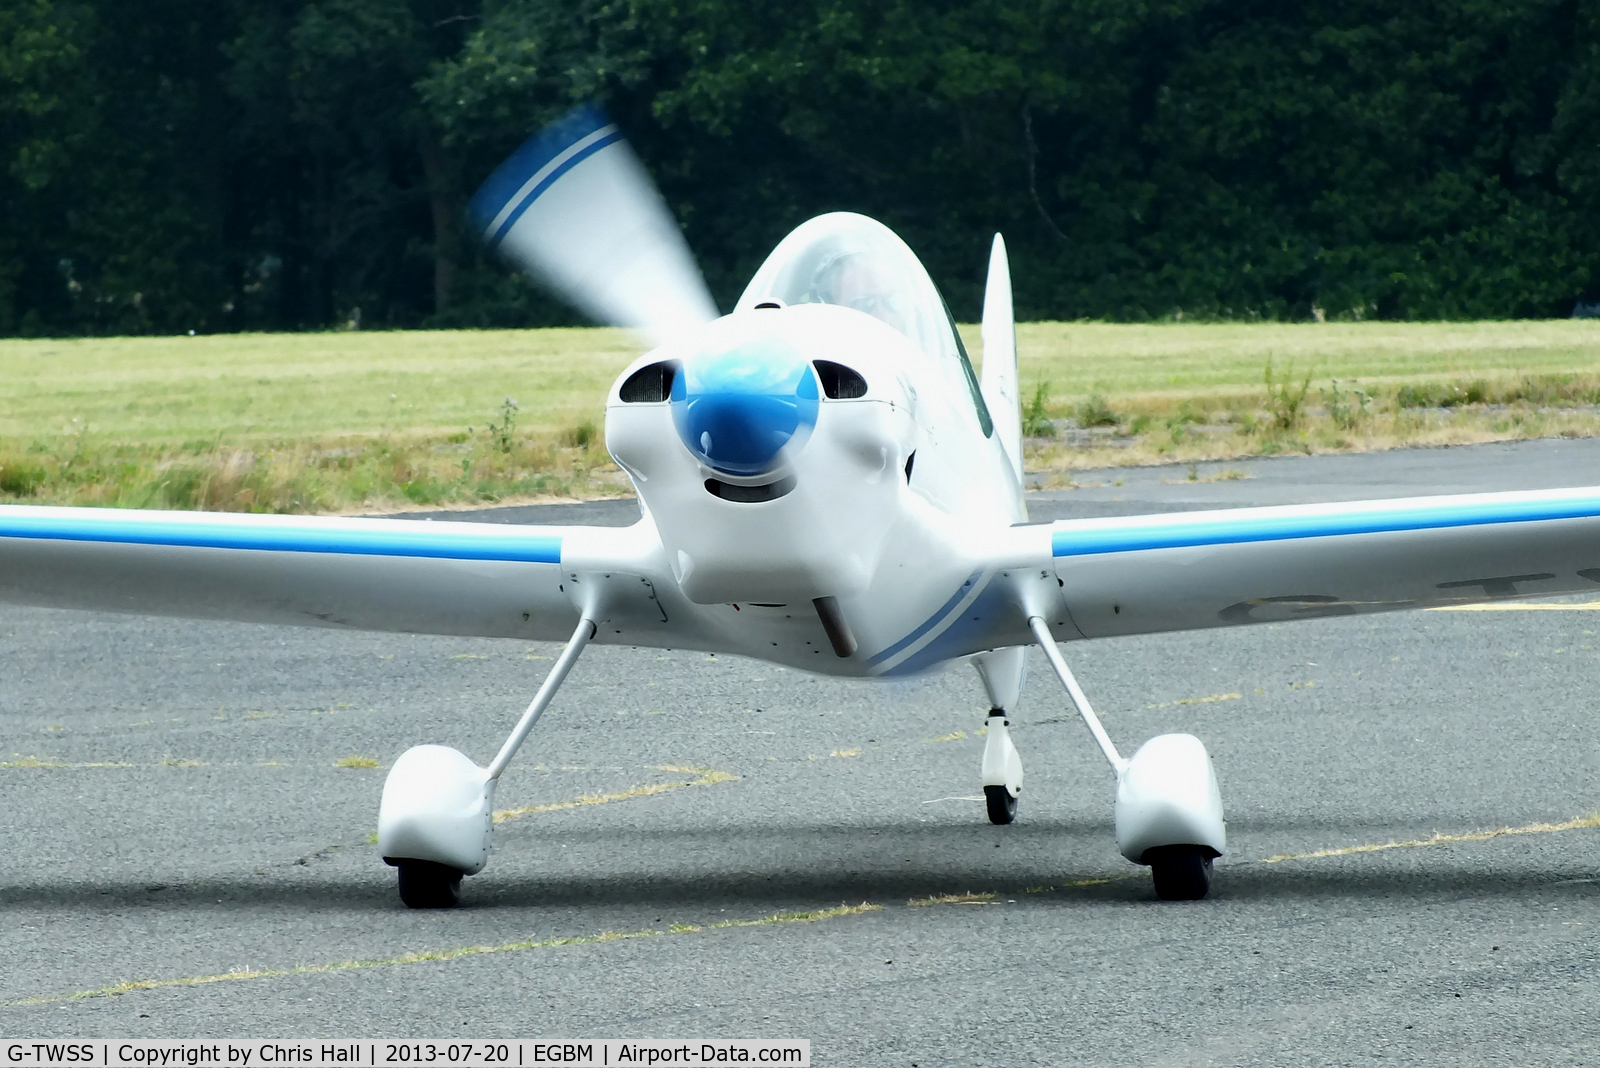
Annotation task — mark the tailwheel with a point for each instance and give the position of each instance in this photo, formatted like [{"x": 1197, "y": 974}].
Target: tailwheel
[
  {"x": 1181, "y": 872},
  {"x": 426, "y": 885},
  {"x": 1002, "y": 806}
]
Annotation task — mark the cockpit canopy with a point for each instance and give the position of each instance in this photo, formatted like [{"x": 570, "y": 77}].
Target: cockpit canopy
[{"x": 857, "y": 262}]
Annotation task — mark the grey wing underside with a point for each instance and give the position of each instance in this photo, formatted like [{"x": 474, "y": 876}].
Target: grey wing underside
[
  {"x": 1145, "y": 574},
  {"x": 370, "y": 574}
]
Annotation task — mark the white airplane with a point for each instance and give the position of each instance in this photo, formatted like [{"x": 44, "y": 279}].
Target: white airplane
[{"x": 824, "y": 483}]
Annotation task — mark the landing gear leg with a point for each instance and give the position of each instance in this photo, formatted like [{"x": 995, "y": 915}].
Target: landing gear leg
[
  {"x": 1001, "y": 672},
  {"x": 1001, "y": 762},
  {"x": 1168, "y": 808},
  {"x": 437, "y": 813}
]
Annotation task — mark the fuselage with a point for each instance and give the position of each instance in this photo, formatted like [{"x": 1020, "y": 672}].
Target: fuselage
[{"x": 807, "y": 467}]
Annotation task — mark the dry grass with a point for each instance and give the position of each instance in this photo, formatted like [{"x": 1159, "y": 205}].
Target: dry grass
[
  {"x": 1191, "y": 393},
  {"x": 309, "y": 422},
  {"x": 346, "y": 422}
]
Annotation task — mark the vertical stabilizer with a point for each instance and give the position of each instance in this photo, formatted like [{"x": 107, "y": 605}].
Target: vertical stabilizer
[{"x": 1001, "y": 390}]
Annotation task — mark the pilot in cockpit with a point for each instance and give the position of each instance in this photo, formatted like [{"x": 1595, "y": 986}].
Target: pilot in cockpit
[
  {"x": 853, "y": 262},
  {"x": 857, "y": 279}
]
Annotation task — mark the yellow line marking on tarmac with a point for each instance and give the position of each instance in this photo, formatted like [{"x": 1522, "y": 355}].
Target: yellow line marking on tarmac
[
  {"x": 703, "y": 777},
  {"x": 954, "y": 736},
  {"x": 1592, "y": 820},
  {"x": 36, "y": 762},
  {"x": 1575, "y": 824},
  {"x": 425, "y": 956},
  {"x": 1212, "y": 699},
  {"x": 707, "y": 777},
  {"x": 1525, "y": 606},
  {"x": 20, "y": 761},
  {"x": 1079, "y": 883},
  {"x": 971, "y": 897}
]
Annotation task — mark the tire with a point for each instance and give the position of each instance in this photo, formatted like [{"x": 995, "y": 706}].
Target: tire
[
  {"x": 426, "y": 885},
  {"x": 1180, "y": 872},
  {"x": 1002, "y": 806}
]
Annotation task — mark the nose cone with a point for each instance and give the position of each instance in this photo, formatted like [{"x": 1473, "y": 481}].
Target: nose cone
[{"x": 735, "y": 410}]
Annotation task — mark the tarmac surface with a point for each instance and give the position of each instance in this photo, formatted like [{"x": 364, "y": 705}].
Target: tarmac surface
[{"x": 708, "y": 847}]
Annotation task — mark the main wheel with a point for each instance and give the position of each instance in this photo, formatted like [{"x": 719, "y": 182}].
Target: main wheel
[
  {"x": 1002, "y": 806},
  {"x": 1181, "y": 872},
  {"x": 426, "y": 885}
]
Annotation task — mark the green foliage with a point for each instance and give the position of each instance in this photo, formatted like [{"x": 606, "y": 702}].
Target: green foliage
[
  {"x": 1537, "y": 390},
  {"x": 1346, "y": 407},
  {"x": 1286, "y": 399},
  {"x": 20, "y": 478},
  {"x": 504, "y": 433},
  {"x": 581, "y": 436},
  {"x": 1036, "y": 422},
  {"x": 223, "y": 165},
  {"x": 1096, "y": 411},
  {"x": 1551, "y": 390},
  {"x": 1440, "y": 394}
]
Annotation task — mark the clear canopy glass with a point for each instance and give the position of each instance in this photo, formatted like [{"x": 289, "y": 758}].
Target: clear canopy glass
[{"x": 856, "y": 262}]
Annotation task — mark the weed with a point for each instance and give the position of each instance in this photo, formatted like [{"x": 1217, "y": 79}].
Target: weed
[
  {"x": 581, "y": 436},
  {"x": 1095, "y": 411},
  {"x": 503, "y": 433},
  {"x": 1341, "y": 410},
  {"x": 1285, "y": 399},
  {"x": 1185, "y": 415},
  {"x": 1036, "y": 422},
  {"x": 1441, "y": 394},
  {"x": 21, "y": 478}
]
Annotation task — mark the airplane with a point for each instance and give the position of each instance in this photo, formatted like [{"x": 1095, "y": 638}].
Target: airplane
[{"x": 824, "y": 482}]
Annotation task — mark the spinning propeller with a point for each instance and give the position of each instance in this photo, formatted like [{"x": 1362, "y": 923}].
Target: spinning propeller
[{"x": 574, "y": 207}]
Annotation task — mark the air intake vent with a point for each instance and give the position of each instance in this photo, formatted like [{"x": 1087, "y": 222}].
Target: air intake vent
[
  {"x": 840, "y": 382},
  {"x": 650, "y": 384},
  {"x": 749, "y": 494}
]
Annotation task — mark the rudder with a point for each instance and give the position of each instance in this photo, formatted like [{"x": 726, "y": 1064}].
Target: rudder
[{"x": 999, "y": 379}]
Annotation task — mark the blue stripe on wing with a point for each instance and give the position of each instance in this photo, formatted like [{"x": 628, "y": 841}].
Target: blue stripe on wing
[
  {"x": 1136, "y": 533},
  {"x": 533, "y": 168},
  {"x": 374, "y": 538}
]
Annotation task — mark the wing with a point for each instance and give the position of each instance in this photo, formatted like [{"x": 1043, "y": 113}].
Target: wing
[
  {"x": 371, "y": 574},
  {"x": 1142, "y": 574},
  {"x": 1097, "y": 578}
]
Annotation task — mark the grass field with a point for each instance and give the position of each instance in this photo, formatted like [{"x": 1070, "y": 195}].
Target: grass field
[{"x": 373, "y": 421}]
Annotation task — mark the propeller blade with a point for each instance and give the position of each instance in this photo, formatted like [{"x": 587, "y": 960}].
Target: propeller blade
[{"x": 575, "y": 208}]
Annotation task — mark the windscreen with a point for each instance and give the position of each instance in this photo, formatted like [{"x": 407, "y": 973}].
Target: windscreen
[{"x": 856, "y": 262}]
